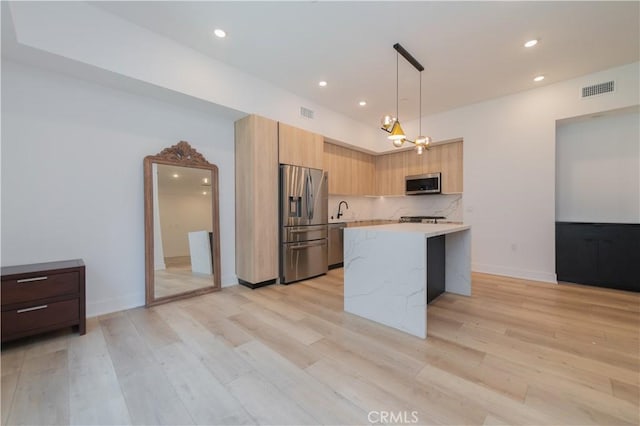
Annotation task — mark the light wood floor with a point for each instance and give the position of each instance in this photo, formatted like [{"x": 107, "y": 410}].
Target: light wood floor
[
  {"x": 178, "y": 279},
  {"x": 515, "y": 352}
]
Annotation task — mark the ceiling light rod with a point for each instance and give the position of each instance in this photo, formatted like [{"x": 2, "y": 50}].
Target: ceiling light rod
[
  {"x": 391, "y": 124},
  {"x": 413, "y": 61}
]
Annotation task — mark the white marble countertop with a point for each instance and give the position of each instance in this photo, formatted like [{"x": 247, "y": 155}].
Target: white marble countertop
[{"x": 428, "y": 229}]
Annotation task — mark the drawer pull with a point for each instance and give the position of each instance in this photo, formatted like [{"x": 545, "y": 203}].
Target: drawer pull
[
  {"x": 35, "y": 308},
  {"x": 28, "y": 280}
]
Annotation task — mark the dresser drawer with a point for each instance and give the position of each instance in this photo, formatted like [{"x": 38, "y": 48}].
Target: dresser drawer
[
  {"x": 39, "y": 287},
  {"x": 39, "y": 316}
]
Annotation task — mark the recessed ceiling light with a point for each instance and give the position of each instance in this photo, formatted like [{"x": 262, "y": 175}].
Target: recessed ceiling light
[
  {"x": 531, "y": 43},
  {"x": 362, "y": 103},
  {"x": 322, "y": 83},
  {"x": 539, "y": 78},
  {"x": 220, "y": 33},
  {"x": 175, "y": 175}
]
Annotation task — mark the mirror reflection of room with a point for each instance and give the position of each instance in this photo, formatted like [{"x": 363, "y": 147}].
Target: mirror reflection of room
[{"x": 182, "y": 229}]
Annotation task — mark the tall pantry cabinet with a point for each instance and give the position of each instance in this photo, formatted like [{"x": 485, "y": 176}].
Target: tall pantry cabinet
[{"x": 256, "y": 169}]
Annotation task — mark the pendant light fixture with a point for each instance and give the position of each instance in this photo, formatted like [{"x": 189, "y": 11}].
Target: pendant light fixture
[{"x": 391, "y": 124}]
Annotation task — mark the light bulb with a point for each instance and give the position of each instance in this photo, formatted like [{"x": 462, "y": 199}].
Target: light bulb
[
  {"x": 387, "y": 121},
  {"x": 419, "y": 149},
  {"x": 398, "y": 142},
  {"x": 423, "y": 140}
]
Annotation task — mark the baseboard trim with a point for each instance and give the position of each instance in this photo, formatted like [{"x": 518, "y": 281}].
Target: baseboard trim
[
  {"x": 115, "y": 304},
  {"x": 515, "y": 273}
]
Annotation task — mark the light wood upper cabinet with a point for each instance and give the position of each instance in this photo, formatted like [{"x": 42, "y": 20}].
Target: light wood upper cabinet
[
  {"x": 416, "y": 164},
  {"x": 300, "y": 147},
  {"x": 451, "y": 167},
  {"x": 350, "y": 172},
  {"x": 363, "y": 173},
  {"x": 256, "y": 168},
  {"x": 391, "y": 169}
]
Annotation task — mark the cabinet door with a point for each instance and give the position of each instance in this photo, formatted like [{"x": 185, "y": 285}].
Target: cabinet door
[
  {"x": 391, "y": 170},
  {"x": 451, "y": 164},
  {"x": 362, "y": 174},
  {"x": 415, "y": 163},
  {"x": 346, "y": 185},
  {"x": 299, "y": 147},
  {"x": 576, "y": 253},
  {"x": 433, "y": 160},
  {"x": 618, "y": 256},
  {"x": 329, "y": 161},
  {"x": 256, "y": 168},
  {"x": 368, "y": 175},
  {"x": 336, "y": 161},
  {"x": 350, "y": 172}
]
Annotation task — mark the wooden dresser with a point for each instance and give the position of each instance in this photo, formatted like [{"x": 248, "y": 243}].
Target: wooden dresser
[{"x": 42, "y": 297}]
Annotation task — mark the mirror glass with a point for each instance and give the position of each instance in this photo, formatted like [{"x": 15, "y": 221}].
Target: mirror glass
[
  {"x": 181, "y": 225},
  {"x": 183, "y": 259}
]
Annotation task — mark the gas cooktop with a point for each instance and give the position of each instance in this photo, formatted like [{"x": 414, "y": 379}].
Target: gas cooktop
[{"x": 419, "y": 219}]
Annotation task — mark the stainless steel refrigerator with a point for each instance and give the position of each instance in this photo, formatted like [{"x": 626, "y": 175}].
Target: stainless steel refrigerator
[{"x": 303, "y": 220}]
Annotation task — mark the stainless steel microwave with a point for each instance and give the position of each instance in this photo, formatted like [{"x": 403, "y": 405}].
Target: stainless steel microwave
[{"x": 423, "y": 184}]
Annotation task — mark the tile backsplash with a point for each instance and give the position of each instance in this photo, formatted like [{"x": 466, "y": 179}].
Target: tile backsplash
[{"x": 391, "y": 208}]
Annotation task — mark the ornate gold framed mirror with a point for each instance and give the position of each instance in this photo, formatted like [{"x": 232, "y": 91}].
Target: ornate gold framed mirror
[{"x": 181, "y": 224}]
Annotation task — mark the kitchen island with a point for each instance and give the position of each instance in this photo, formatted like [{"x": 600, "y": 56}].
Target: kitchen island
[{"x": 385, "y": 271}]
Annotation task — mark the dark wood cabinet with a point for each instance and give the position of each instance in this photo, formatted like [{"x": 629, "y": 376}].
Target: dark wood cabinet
[
  {"x": 42, "y": 297},
  {"x": 436, "y": 278},
  {"x": 601, "y": 254}
]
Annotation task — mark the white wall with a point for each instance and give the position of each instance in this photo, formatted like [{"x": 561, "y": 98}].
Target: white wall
[
  {"x": 91, "y": 37},
  {"x": 509, "y": 167},
  {"x": 179, "y": 215},
  {"x": 598, "y": 169},
  {"x": 72, "y": 183}
]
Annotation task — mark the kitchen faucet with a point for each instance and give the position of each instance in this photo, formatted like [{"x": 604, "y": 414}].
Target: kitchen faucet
[{"x": 339, "y": 206}]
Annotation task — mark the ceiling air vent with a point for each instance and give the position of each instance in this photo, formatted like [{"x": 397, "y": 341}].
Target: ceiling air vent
[
  {"x": 598, "y": 89},
  {"x": 306, "y": 112}
]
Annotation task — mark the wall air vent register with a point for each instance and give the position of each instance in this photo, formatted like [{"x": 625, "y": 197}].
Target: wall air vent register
[
  {"x": 598, "y": 89},
  {"x": 306, "y": 112}
]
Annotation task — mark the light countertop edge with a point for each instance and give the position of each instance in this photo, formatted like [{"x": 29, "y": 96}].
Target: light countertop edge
[{"x": 428, "y": 229}]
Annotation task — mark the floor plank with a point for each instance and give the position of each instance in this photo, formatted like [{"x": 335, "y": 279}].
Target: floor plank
[{"x": 515, "y": 352}]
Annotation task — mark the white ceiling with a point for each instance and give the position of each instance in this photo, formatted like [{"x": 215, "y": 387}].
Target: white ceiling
[
  {"x": 189, "y": 180},
  {"x": 472, "y": 51}
]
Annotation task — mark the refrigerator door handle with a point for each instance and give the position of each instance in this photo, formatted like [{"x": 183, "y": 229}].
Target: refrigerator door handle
[
  {"x": 319, "y": 243},
  {"x": 311, "y": 196}
]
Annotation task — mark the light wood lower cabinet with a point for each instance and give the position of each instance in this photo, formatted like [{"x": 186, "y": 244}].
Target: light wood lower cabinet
[
  {"x": 350, "y": 172},
  {"x": 300, "y": 147},
  {"x": 256, "y": 168},
  {"x": 391, "y": 169}
]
